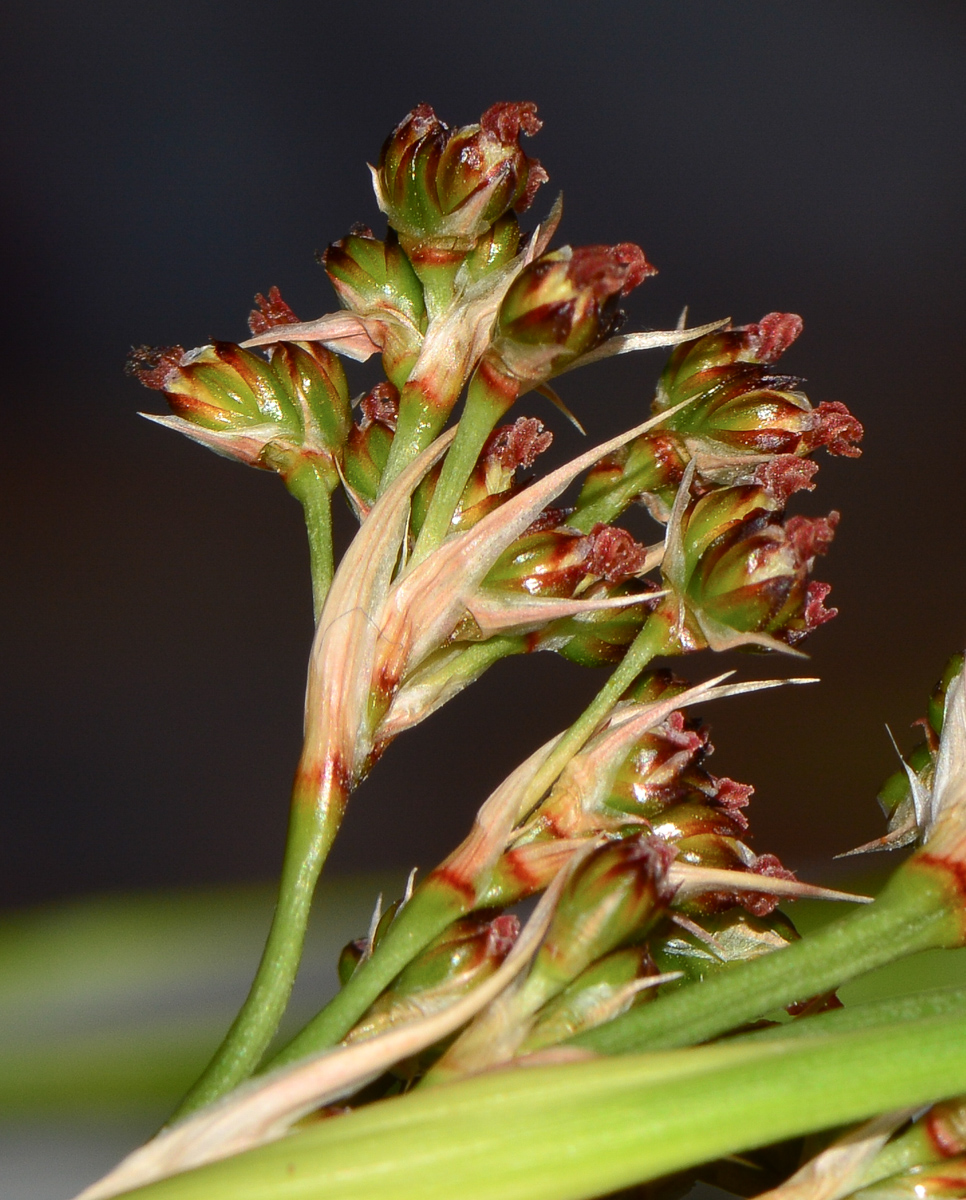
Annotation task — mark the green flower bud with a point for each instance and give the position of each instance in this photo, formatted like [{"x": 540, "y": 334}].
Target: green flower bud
[
  {"x": 461, "y": 957},
  {"x": 269, "y": 414},
  {"x": 507, "y": 450},
  {"x": 442, "y": 187},
  {"x": 367, "y": 447},
  {"x": 593, "y": 996},
  {"x": 647, "y": 470},
  {"x": 375, "y": 279},
  {"x": 615, "y": 896},
  {"x": 497, "y": 247},
  {"x": 740, "y": 570},
  {"x": 561, "y": 306},
  {"x": 738, "y": 408},
  {"x": 556, "y": 561}
]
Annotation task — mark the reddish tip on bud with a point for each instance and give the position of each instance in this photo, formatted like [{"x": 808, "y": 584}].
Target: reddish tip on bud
[
  {"x": 836, "y": 429},
  {"x": 154, "y": 366},
  {"x": 785, "y": 475},
  {"x": 445, "y": 187},
  {"x": 562, "y": 305},
  {"x": 614, "y": 555},
  {"x": 381, "y": 404}
]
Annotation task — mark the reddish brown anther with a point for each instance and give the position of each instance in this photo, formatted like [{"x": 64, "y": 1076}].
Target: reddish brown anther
[
  {"x": 503, "y": 931},
  {"x": 815, "y": 612},
  {"x": 154, "y": 365},
  {"x": 518, "y": 445},
  {"x": 272, "y": 311},
  {"x": 809, "y": 536},
  {"x": 786, "y": 474},
  {"x": 732, "y": 795},
  {"x": 760, "y": 904},
  {"x": 769, "y": 338},
  {"x": 613, "y": 554},
  {"x": 609, "y": 270},
  {"x": 836, "y": 429},
  {"x": 381, "y": 404}
]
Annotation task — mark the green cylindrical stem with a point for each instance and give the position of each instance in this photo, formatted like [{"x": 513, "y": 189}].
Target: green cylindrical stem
[
  {"x": 312, "y": 829},
  {"x": 916, "y": 911},
  {"x": 608, "y": 507},
  {"x": 420, "y": 419},
  {"x": 577, "y": 1130},
  {"x": 489, "y": 396},
  {"x": 312, "y": 485},
  {"x": 430, "y": 910},
  {"x": 653, "y": 639}
]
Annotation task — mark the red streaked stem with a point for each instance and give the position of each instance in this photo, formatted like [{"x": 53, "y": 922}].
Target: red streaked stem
[{"x": 318, "y": 803}]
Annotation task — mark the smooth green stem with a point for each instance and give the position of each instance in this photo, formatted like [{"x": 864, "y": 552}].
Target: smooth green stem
[
  {"x": 312, "y": 484},
  {"x": 917, "y": 910},
  {"x": 618, "y": 498},
  {"x": 429, "y": 911},
  {"x": 488, "y": 397},
  {"x": 652, "y": 640},
  {"x": 312, "y": 829},
  {"x": 937, "y": 1002},
  {"x": 420, "y": 420},
  {"x": 578, "y": 1130}
]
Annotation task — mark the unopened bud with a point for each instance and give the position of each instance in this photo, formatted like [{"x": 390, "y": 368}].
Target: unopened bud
[
  {"x": 442, "y": 187},
  {"x": 615, "y": 896},
  {"x": 554, "y": 562},
  {"x": 376, "y": 280},
  {"x": 561, "y": 306},
  {"x": 367, "y": 447},
  {"x": 738, "y": 408},
  {"x": 731, "y": 936},
  {"x": 744, "y": 570},
  {"x": 601, "y": 992},
  {"x": 458, "y": 960}
]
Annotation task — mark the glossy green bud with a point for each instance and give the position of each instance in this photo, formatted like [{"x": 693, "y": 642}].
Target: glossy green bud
[
  {"x": 738, "y": 407},
  {"x": 600, "y": 992},
  {"x": 445, "y": 187},
  {"x": 375, "y": 280},
  {"x": 733, "y": 936},
  {"x": 742, "y": 570},
  {"x": 561, "y": 306},
  {"x": 460, "y": 958},
  {"x": 614, "y": 896},
  {"x": 367, "y": 447}
]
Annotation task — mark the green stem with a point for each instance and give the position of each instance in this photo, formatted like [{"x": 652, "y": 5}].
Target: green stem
[
  {"x": 435, "y": 905},
  {"x": 917, "y": 910},
  {"x": 619, "y": 497},
  {"x": 489, "y": 396},
  {"x": 429, "y": 911},
  {"x": 312, "y": 484},
  {"x": 577, "y": 1130},
  {"x": 653, "y": 639},
  {"x": 312, "y": 829}
]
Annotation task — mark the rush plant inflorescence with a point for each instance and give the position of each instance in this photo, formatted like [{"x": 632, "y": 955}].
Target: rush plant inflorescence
[{"x": 656, "y": 927}]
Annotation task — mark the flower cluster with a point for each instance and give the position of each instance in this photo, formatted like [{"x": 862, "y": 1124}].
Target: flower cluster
[{"x": 460, "y": 560}]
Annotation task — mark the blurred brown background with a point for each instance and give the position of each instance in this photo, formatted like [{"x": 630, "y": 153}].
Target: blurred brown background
[{"x": 166, "y": 160}]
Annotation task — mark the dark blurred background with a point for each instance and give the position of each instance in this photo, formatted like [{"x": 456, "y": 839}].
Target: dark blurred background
[{"x": 165, "y": 161}]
